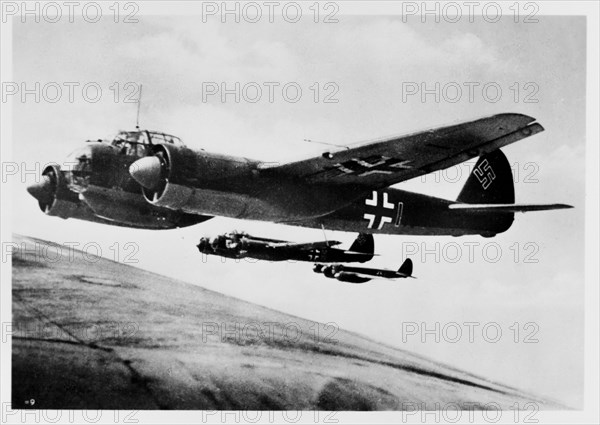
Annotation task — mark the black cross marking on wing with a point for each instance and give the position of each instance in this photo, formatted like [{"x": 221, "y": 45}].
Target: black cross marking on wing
[
  {"x": 372, "y": 164},
  {"x": 362, "y": 167}
]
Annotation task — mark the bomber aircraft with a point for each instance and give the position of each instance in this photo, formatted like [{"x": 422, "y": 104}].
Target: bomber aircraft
[
  {"x": 241, "y": 245},
  {"x": 353, "y": 274},
  {"x": 148, "y": 179}
]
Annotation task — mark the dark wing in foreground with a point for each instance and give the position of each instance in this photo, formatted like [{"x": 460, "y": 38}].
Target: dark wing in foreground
[{"x": 383, "y": 162}]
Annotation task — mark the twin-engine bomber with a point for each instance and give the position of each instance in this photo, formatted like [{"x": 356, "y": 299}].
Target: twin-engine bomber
[
  {"x": 241, "y": 245},
  {"x": 151, "y": 180},
  {"x": 353, "y": 274}
]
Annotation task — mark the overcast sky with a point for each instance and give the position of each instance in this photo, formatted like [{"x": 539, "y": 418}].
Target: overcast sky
[{"x": 370, "y": 60}]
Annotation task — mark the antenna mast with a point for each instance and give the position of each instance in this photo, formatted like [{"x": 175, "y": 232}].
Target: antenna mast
[
  {"x": 139, "y": 102},
  {"x": 324, "y": 234}
]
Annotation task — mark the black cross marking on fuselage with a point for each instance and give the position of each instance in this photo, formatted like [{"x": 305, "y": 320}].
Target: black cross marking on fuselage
[
  {"x": 314, "y": 254},
  {"x": 372, "y": 164},
  {"x": 380, "y": 212}
]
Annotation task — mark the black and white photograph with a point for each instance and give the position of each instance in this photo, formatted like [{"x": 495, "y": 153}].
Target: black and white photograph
[{"x": 299, "y": 212}]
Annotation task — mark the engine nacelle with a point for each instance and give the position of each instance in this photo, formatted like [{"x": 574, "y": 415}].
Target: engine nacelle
[
  {"x": 200, "y": 182},
  {"x": 182, "y": 179},
  {"x": 318, "y": 268},
  {"x": 56, "y": 199},
  {"x": 350, "y": 277},
  {"x": 330, "y": 271}
]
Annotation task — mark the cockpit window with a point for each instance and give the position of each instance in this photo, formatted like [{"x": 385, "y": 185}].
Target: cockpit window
[
  {"x": 158, "y": 137},
  {"x": 130, "y": 137},
  {"x": 145, "y": 137}
]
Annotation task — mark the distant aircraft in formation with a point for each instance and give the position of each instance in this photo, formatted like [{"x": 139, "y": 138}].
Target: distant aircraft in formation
[
  {"x": 151, "y": 180},
  {"x": 363, "y": 274},
  {"x": 242, "y": 245}
]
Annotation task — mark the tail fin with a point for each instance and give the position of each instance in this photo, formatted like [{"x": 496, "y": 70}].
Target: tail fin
[
  {"x": 365, "y": 244},
  {"x": 490, "y": 182},
  {"x": 487, "y": 201},
  {"x": 406, "y": 268}
]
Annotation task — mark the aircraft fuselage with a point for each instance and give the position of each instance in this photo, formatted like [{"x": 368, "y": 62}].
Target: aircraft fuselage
[{"x": 148, "y": 179}]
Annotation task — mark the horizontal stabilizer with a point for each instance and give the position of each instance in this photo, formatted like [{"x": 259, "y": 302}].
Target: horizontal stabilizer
[
  {"x": 359, "y": 253},
  {"x": 506, "y": 208}
]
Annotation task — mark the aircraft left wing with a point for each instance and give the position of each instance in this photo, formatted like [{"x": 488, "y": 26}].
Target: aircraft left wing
[
  {"x": 375, "y": 275},
  {"x": 383, "y": 162}
]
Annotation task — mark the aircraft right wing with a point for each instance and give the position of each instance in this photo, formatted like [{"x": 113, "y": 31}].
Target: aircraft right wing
[
  {"x": 306, "y": 245},
  {"x": 383, "y": 162},
  {"x": 266, "y": 240}
]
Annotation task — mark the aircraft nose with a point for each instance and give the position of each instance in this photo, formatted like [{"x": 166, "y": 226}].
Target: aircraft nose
[
  {"x": 42, "y": 190},
  {"x": 146, "y": 171}
]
